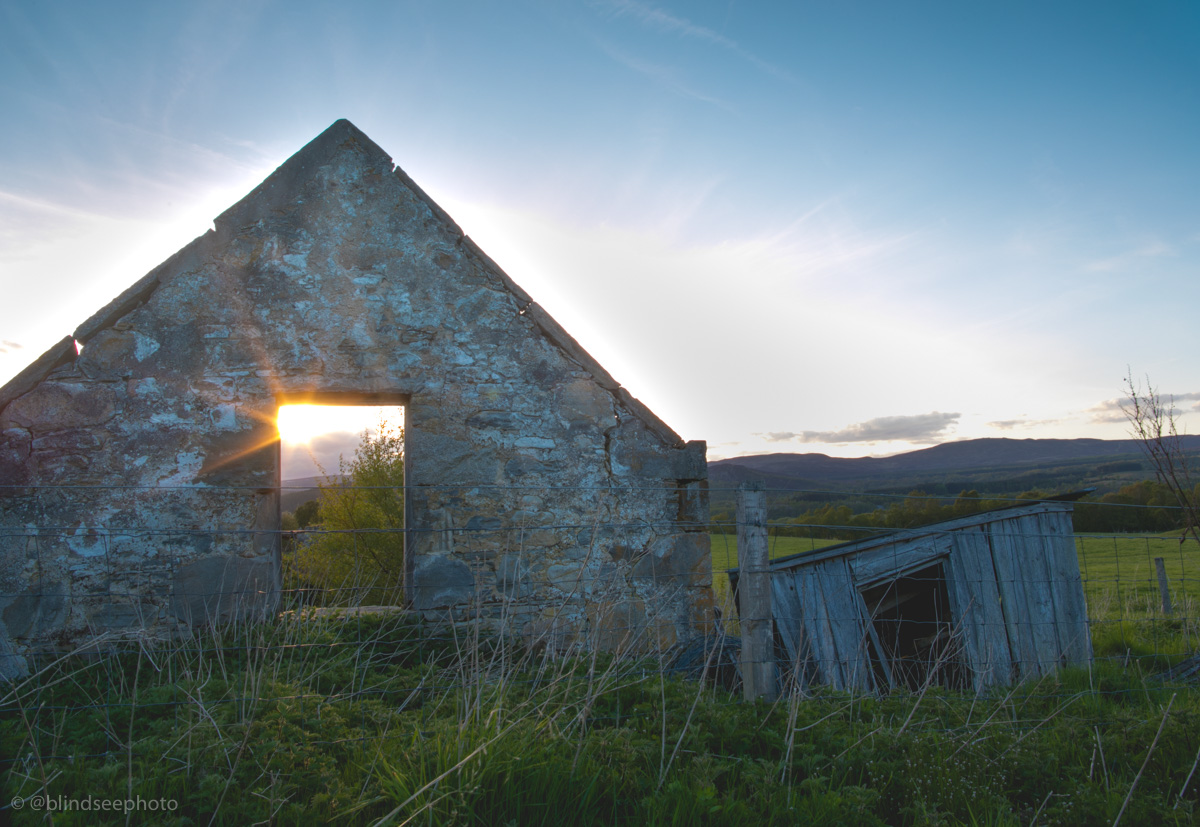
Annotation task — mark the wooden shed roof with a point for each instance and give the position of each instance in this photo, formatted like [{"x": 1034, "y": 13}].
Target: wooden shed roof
[{"x": 1059, "y": 502}]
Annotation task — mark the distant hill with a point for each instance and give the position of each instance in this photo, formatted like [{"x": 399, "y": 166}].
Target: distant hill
[{"x": 989, "y": 465}]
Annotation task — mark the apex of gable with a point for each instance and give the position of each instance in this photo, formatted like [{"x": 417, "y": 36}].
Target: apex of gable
[{"x": 283, "y": 186}]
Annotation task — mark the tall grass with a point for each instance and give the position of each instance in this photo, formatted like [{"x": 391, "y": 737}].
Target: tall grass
[{"x": 356, "y": 717}]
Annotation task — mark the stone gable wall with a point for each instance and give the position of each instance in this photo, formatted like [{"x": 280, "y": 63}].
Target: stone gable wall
[{"x": 338, "y": 277}]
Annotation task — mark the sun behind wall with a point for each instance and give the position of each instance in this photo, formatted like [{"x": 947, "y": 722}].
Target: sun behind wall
[{"x": 312, "y": 437}]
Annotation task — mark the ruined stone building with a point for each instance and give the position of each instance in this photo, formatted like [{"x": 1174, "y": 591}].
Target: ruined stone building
[{"x": 139, "y": 457}]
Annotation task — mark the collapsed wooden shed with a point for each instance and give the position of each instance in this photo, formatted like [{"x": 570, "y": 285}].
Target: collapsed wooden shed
[{"x": 975, "y": 602}]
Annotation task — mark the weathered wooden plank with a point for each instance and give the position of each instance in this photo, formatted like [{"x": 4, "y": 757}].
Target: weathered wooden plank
[
  {"x": 1011, "y": 586},
  {"x": 965, "y": 616},
  {"x": 847, "y": 623},
  {"x": 1081, "y": 637},
  {"x": 789, "y": 623},
  {"x": 897, "y": 556},
  {"x": 1034, "y": 568},
  {"x": 785, "y": 607},
  {"x": 815, "y": 618},
  {"x": 976, "y": 575},
  {"x": 1062, "y": 608},
  {"x": 1029, "y": 566},
  {"x": 1074, "y": 633},
  {"x": 1164, "y": 588}
]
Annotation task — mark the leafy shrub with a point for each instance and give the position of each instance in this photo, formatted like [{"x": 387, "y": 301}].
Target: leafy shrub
[{"x": 355, "y": 553}]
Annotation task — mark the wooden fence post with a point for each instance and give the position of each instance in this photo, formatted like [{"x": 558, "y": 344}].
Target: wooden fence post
[
  {"x": 1167, "y": 608},
  {"x": 754, "y": 595}
]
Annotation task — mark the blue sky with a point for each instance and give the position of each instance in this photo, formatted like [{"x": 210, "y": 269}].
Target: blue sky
[{"x": 852, "y": 227}]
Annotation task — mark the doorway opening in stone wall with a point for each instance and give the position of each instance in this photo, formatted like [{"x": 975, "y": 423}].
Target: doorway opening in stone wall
[{"x": 342, "y": 500}]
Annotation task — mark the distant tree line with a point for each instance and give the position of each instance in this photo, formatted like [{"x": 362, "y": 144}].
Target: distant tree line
[
  {"x": 1143, "y": 507},
  {"x": 840, "y": 522}
]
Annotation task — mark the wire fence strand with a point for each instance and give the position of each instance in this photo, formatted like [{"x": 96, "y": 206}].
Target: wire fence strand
[{"x": 343, "y": 640}]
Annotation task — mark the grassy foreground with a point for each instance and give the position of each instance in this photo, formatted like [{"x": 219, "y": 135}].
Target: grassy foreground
[{"x": 369, "y": 720}]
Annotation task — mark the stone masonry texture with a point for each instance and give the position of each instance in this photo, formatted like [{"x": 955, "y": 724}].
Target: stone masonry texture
[{"x": 139, "y": 457}]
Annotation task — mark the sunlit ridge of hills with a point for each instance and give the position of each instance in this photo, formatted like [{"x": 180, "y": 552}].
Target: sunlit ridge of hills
[{"x": 1009, "y": 463}]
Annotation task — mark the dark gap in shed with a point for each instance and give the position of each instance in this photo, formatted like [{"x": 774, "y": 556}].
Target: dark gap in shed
[{"x": 914, "y": 640}]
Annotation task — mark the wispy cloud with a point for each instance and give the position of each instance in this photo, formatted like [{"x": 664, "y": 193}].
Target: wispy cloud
[
  {"x": 322, "y": 455},
  {"x": 1114, "y": 410},
  {"x": 666, "y": 76},
  {"x": 25, "y": 203},
  {"x": 1013, "y": 424},
  {"x": 665, "y": 21},
  {"x": 928, "y": 427},
  {"x": 1151, "y": 249},
  {"x": 1110, "y": 410},
  {"x": 8, "y": 347},
  {"x": 668, "y": 22}
]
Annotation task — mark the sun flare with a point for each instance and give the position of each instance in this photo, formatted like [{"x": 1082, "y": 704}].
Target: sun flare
[{"x": 301, "y": 424}]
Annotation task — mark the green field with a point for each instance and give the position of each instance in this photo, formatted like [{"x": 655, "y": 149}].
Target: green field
[
  {"x": 724, "y": 557},
  {"x": 1125, "y": 604},
  {"x": 1119, "y": 573},
  {"x": 724, "y": 548}
]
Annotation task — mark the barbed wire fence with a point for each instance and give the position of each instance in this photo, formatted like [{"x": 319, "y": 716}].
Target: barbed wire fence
[{"x": 338, "y": 638}]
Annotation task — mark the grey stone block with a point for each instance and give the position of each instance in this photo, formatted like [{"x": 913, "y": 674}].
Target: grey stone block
[
  {"x": 41, "y": 367},
  {"x": 215, "y": 589},
  {"x": 440, "y": 581},
  {"x": 36, "y": 611},
  {"x": 115, "y": 616},
  {"x": 12, "y": 665},
  {"x": 675, "y": 562},
  {"x": 53, "y": 406},
  {"x": 521, "y": 465},
  {"x": 484, "y": 524},
  {"x": 691, "y": 461},
  {"x": 450, "y": 460},
  {"x": 512, "y": 576},
  {"x": 496, "y": 421},
  {"x": 693, "y": 504}
]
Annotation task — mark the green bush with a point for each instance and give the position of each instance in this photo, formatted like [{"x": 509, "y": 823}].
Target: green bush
[{"x": 355, "y": 553}]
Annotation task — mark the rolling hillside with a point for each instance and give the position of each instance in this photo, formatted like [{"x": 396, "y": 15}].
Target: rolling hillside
[{"x": 989, "y": 465}]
